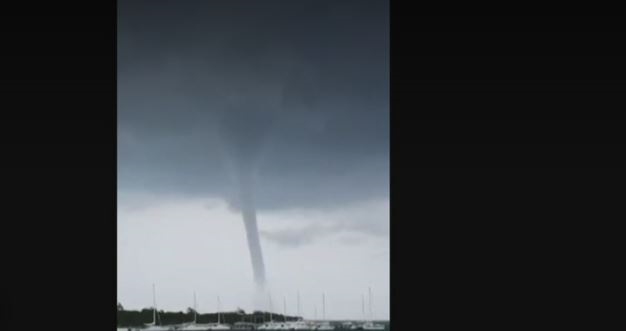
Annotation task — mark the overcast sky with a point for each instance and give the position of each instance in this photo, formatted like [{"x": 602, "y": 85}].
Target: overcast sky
[{"x": 295, "y": 91}]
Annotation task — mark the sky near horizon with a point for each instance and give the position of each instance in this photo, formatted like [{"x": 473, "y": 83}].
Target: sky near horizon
[{"x": 295, "y": 93}]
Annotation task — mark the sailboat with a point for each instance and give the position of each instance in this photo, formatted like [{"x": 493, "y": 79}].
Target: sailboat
[
  {"x": 219, "y": 325},
  {"x": 299, "y": 324},
  {"x": 284, "y": 325},
  {"x": 360, "y": 326},
  {"x": 370, "y": 325},
  {"x": 194, "y": 325},
  {"x": 313, "y": 323},
  {"x": 153, "y": 326},
  {"x": 324, "y": 325},
  {"x": 271, "y": 325}
]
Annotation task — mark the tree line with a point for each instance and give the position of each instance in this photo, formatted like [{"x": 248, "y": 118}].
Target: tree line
[{"x": 136, "y": 318}]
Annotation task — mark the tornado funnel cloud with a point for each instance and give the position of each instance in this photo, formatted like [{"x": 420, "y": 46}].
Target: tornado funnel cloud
[
  {"x": 242, "y": 135},
  {"x": 248, "y": 212},
  {"x": 254, "y": 244}
]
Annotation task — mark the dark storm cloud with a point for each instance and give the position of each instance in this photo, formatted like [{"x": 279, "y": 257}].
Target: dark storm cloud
[{"x": 296, "y": 90}]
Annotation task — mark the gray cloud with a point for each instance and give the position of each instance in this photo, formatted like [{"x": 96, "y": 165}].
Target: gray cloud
[
  {"x": 294, "y": 93},
  {"x": 299, "y": 236},
  {"x": 349, "y": 224},
  {"x": 298, "y": 91},
  {"x": 347, "y": 233}
]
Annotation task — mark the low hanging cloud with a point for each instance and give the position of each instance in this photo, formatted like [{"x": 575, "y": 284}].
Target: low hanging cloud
[
  {"x": 349, "y": 224},
  {"x": 298, "y": 236}
]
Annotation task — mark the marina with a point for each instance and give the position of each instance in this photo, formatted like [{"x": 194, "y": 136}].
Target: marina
[
  {"x": 267, "y": 321},
  {"x": 273, "y": 326}
]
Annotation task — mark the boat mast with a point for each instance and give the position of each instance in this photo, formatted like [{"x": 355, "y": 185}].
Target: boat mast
[
  {"x": 271, "y": 319},
  {"x": 195, "y": 308},
  {"x": 218, "y": 310},
  {"x": 370, "y": 304},
  {"x": 284, "y": 309},
  {"x": 323, "y": 306},
  {"x": 154, "y": 312},
  {"x": 363, "y": 307},
  {"x": 298, "y": 304}
]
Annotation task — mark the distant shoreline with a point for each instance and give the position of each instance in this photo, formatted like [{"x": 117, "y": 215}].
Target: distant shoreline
[{"x": 139, "y": 318}]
